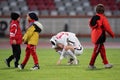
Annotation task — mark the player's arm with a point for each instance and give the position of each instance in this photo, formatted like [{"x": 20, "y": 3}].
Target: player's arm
[
  {"x": 13, "y": 31},
  {"x": 108, "y": 27},
  {"x": 60, "y": 47},
  {"x": 61, "y": 57}
]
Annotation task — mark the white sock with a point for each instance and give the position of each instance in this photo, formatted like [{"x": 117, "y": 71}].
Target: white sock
[{"x": 72, "y": 55}]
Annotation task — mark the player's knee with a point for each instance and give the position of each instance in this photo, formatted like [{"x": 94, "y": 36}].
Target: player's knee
[{"x": 79, "y": 52}]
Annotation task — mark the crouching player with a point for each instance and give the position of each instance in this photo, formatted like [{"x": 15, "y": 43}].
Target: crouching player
[{"x": 68, "y": 46}]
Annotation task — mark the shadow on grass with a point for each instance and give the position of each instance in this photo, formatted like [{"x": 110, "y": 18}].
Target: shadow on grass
[
  {"x": 24, "y": 70},
  {"x": 16, "y": 69},
  {"x": 65, "y": 65},
  {"x": 7, "y": 68},
  {"x": 62, "y": 66},
  {"x": 97, "y": 69}
]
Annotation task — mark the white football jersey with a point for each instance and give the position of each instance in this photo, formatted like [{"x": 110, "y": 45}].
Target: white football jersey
[{"x": 67, "y": 38}]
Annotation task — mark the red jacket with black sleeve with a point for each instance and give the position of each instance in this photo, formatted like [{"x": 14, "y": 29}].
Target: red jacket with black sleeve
[
  {"x": 99, "y": 26},
  {"x": 15, "y": 32}
]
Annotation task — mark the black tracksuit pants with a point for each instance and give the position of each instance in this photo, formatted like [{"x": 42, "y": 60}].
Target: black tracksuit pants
[{"x": 16, "y": 49}]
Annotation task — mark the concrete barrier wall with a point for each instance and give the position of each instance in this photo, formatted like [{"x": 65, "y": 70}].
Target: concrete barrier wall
[{"x": 76, "y": 25}]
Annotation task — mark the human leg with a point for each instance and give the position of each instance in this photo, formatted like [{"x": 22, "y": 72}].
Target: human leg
[
  {"x": 26, "y": 58},
  {"x": 94, "y": 54},
  {"x": 35, "y": 58},
  {"x": 73, "y": 57},
  {"x": 104, "y": 57},
  {"x": 34, "y": 55},
  {"x": 17, "y": 52},
  {"x": 78, "y": 51},
  {"x": 10, "y": 58},
  {"x": 103, "y": 54}
]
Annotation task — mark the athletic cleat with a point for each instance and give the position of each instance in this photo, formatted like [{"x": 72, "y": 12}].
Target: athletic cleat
[
  {"x": 70, "y": 61},
  {"x": 21, "y": 66},
  {"x": 36, "y": 67},
  {"x": 76, "y": 62},
  {"x": 107, "y": 66},
  {"x": 7, "y": 62},
  {"x": 91, "y": 67}
]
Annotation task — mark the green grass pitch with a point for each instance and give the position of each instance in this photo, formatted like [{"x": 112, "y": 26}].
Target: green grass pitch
[{"x": 50, "y": 71}]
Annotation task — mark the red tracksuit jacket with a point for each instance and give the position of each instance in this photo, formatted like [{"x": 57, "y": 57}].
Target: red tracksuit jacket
[
  {"x": 99, "y": 26},
  {"x": 15, "y": 32}
]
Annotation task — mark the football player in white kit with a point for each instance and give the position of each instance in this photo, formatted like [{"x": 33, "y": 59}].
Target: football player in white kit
[{"x": 67, "y": 45}]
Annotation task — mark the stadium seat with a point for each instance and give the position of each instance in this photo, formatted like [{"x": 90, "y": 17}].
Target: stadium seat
[
  {"x": 59, "y": 7},
  {"x": 53, "y": 13}
]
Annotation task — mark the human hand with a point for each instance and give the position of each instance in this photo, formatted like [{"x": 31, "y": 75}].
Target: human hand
[
  {"x": 59, "y": 62},
  {"x": 14, "y": 42},
  {"x": 25, "y": 42}
]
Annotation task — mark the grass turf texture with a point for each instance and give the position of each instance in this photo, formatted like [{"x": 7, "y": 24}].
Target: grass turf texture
[{"x": 50, "y": 71}]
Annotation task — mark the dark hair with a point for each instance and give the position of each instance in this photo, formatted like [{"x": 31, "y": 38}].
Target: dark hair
[
  {"x": 33, "y": 16},
  {"x": 100, "y": 8},
  {"x": 14, "y": 16}
]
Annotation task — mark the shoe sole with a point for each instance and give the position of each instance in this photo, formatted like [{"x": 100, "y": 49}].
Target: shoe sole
[
  {"x": 91, "y": 67},
  {"x": 108, "y": 67},
  {"x": 33, "y": 69}
]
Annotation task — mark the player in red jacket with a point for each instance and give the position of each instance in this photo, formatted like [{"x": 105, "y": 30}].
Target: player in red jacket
[
  {"x": 99, "y": 26},
  {"x": 15, "y": 39}
]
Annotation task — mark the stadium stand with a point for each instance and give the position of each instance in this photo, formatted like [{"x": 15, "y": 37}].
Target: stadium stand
[{"x": 58, "y": 7}]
